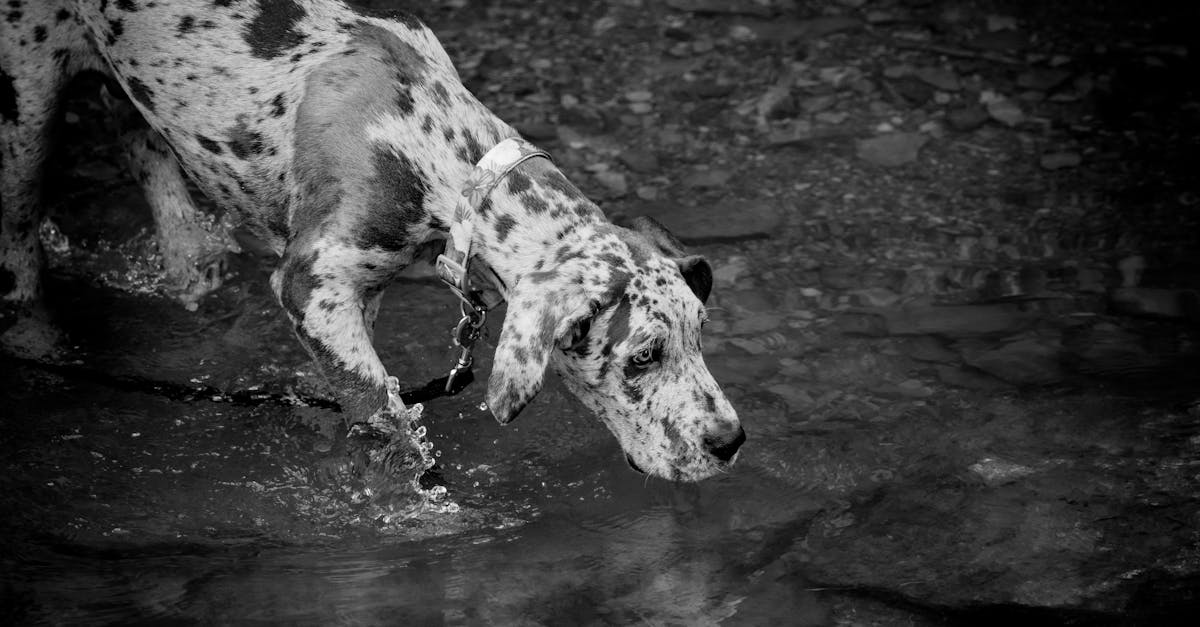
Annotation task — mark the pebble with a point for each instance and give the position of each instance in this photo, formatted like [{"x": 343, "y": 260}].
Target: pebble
[
  {"x": 996, "y": 472},
  {"x": 641, "y": 161},
  {"x": 1060, "y": 160},
  {"x": 614, "y": 182},
  {"x": 704, "y": 179},
  {"x": 891, "y": 150},
  {"x": 944, "y": 79}
]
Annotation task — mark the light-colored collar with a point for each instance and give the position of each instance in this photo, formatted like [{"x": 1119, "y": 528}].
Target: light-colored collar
[{"x": 452, "y": 266}]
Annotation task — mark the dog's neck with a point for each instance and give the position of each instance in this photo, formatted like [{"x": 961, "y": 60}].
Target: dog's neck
[{"x": 533, "y": 221}]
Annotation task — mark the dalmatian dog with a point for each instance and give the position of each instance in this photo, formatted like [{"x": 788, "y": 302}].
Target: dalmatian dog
[{"x": 344, "y": 141}]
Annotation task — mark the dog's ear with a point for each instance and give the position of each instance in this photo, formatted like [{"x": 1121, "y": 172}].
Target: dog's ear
[
  {"x": 694, "y": 268},
  {"x": 543, "y": 310}
]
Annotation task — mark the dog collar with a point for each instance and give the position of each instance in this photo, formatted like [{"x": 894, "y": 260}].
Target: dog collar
[{"x": 453, "y": 265}]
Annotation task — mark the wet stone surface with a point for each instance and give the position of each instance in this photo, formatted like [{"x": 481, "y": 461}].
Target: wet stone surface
[{"x": 955, "y": 304}]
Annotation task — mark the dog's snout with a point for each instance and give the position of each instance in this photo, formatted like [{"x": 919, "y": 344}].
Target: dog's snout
[{"x": 725, "y": 446}]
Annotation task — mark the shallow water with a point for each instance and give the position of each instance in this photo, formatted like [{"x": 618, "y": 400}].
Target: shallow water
[{"x": 129, "y": 500}]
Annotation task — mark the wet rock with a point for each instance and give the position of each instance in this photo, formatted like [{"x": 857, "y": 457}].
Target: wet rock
[
  {"x": 815, "y": 104},
  {"x": 733, "y": 369},
  {"x": 956, "y": 321},
  {"x": 1106, "y": 349},
  {"x": 796, "y": 398},
  {"x": 831, "y": 117},
  {"x": 1003, "y": 110},
  {"x": 839, "y": 277},
  {"x": 942, "y": 78},
  {"x": 926, "y": 348},
  {"x": 1060, "y": 160},
  {"x": 1131, "y": 269},
  {"x": 721, "y": 7},
  {"x": 967, "y": 119},
  {"x": 1000, "y": 41},
  {"x": 858, "y": 323},
  {"x": 537, "y": 131},
  {"x": 1156, "y": 302},
  {"x": 891, "y": 150},
  {"x": 969, "y": 379},
  {"x": 995, "y": 472},
  {"x": 873, "y": 297},
  {"x": 914, "y": 92},
  {"x": 705, "y": 179},
  {"x": 1027, "y": 361},
  {"x": 640, "y": 161},
  {"x": 798, "y": 132},
  {"x": 614, "y": 182},
  {"x": 729, "y": 273},
  {"x": 784, "y": 31},
  {"x": 755, "y": 300},
  {"x": 1042, "y": 79},
  {"x": 729, "y": 221},
  {"x": 704, "y": 90},
  {"x": 776, "y": 102},
  {"x": 756, "y": 323}
]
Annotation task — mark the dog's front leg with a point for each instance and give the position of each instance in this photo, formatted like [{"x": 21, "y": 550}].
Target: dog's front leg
[{"x": 319, "y": 291}]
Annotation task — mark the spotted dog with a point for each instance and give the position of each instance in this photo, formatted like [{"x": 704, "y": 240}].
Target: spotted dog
[{"x": 344, "y": 141}]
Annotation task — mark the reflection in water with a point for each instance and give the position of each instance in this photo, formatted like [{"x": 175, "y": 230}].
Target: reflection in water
[{"x": 674, "y": 562}]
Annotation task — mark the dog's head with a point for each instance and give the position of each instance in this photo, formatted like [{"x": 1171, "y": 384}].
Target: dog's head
[{"x": 619, "y": 317}]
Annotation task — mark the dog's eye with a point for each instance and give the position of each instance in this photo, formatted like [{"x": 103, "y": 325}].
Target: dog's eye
[{"x": 647, "y": 356}]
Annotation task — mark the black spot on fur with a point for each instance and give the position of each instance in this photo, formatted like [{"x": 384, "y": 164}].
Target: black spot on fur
[
  {"x": 8, "y": 98},
  {"x": 8, "y": 280},
  {"x": 62, "y": 15},
  {"x": 485, "y": 206},
  {"x": 209, "y": 145},
  {"x": 396, "y": 203},
  {"x": 474, "y": 152},
  {"x": 440, "y": 95},
  {"x": 427, "y": 124},
  {"x": 618, "y": 327},
  {"x": 208, "y": 24},
  {"x": 39, "y": 33},
  {"x": 273, "y": 30},
  {"x": 277, "y": 106},
  {"x": 244, "y": 142},
  {"x": 187, "y": 24},
  {"x": 14, "y": 17},
  {"x": 534, "y": 204},
  {"x": 448, "y": 133},
  {"x": 223, "y": 3},
  {"x": 517, "y": 182},
  {"x": 127, "y": 5},
  {"x": 116, "y": 28},
  {"x": 504, "y": 225},
  {"x": 141, "y": 93},
  {"x": 404, "y": 100}
]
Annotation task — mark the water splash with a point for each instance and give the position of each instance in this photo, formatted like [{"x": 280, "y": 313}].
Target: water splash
[{"x": 374, "y": 477}]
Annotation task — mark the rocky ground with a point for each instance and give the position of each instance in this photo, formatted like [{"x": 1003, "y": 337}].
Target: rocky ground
[{"x": 957, "y": 291}]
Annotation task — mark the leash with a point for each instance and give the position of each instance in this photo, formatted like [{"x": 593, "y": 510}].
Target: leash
[{"x": 453, "y": 265}]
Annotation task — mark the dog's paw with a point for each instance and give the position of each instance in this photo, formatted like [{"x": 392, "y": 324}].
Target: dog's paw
[{"x": 200, "y": 281}]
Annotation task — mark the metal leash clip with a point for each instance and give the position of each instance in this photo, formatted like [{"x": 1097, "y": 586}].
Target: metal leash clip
[{"x": 466, "y": 333}]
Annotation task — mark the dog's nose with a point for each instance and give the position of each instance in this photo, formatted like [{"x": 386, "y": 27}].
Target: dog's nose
[{"x": 724, "y": 447}]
